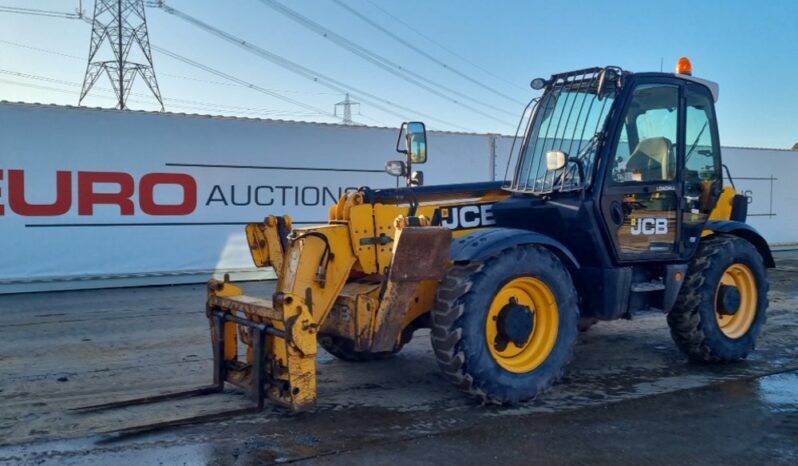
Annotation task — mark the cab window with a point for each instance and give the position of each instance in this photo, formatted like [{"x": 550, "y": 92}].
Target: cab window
[
  {"x": 702, "y": 151},
  {"x": 647, "y": 148}
]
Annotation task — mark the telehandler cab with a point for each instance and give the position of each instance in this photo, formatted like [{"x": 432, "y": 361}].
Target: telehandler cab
[{"x": 615, "y": 205}]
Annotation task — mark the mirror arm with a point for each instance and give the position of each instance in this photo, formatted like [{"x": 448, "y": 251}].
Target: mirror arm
[
  {"x": 408, "y": 167},
  {"x": 402, "y": 130},
  {"x": 580, "y": 165},
  {"x": 580, "y": 170},
  {"x": 415, "y": 135}
]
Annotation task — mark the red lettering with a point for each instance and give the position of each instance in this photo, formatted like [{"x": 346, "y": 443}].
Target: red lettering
[
  {"x": 18, "y": 204},
  {"x": 87, "y": 198},
  {"x": 147, "y": 194}
]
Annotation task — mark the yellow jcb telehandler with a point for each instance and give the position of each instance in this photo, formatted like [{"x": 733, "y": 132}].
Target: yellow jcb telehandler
[{"x": 615, "y": 205}]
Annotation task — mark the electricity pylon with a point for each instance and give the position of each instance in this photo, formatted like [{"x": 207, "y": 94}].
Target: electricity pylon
[
  {"x": 121, "y": 24},
  {"x": 347, "y": 113}
]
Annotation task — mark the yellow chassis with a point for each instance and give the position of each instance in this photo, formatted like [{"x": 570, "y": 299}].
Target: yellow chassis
[{"x": 364, "y": 277}]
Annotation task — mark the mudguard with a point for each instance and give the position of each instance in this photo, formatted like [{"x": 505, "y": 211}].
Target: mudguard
[
  {"x": 745, "y": 231},
  {"x": 484, "y": 243}
]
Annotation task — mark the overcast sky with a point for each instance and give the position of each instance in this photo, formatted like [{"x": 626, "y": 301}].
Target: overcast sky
[{"x": 484, "y": 53}]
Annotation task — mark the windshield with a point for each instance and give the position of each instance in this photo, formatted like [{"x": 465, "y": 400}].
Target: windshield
[{"x": 569, "y": 118}]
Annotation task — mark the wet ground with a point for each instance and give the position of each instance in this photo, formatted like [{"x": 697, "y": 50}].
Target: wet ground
[{"x": 629, "y": 396}]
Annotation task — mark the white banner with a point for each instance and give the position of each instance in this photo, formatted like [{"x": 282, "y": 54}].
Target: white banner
[
  {"x": 764, "y": 176},
  {"x": 92, "y": 193}
]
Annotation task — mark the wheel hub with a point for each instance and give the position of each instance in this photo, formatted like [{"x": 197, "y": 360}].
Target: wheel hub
[
  {"x": 523, "y": 312},
  {"x": 728, "y": 299},
  {"x": 515, "y": 324}
]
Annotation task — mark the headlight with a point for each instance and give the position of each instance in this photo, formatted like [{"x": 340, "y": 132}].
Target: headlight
[
  {"x": 538, "y": 84},
  {"x": 395, "y": 168}
]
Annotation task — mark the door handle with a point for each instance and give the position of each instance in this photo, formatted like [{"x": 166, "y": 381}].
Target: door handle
[{"x": 616, "y": 212}]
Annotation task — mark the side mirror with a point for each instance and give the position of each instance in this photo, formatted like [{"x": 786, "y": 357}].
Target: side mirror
[
  {"x": 415, "y": 146},
  {"x": 395, "y": 168},
  {"x": 556, "y": 159},
  {"x": 417, "y": 179},
  {"x": 417, "y": 141}
]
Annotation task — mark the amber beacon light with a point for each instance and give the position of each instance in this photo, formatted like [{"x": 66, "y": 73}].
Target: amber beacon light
[{"x": 683, "y": 66}]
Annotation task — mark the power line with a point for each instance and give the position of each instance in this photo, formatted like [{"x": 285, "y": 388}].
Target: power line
[
  {"x": 140, "y": 94},
  {"x": 382, "y": 62},
  {"x": 189, "y": 78},
  {"x": 63, "y": 91},
  {"x": 37, "y": 86},
  {"x": 37, "y": 12},
  {"x": 361, "y": 115},
  {"x": 230, "y": 84},
  {"x": 73, "y": 93},
  {"x": 334, "y": 85},
  {"x": 240, "y": 82},
  {"x": 234, "y": 81},
  {"x": 422, "y": 52},
  {"x": 386, "y": 64},
  {"x": 443, "y": 47},
  {"x": 175, "y": 56},
  {"x": 51, "y": 52},
  {"x": 319, "y": 78},
  {"x": 179, "y": 103}
]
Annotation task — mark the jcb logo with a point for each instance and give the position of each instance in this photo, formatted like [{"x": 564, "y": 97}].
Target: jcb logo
[
  {"x": 649, "y": 226},
  {"x": 467, "y": 216}
]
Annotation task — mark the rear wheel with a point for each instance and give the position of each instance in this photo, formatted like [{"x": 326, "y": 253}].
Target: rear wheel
[
  {"x": 504, "y": 328},
  {"x": 723, "y": 301},
  {"x": 343, "y": 348}
]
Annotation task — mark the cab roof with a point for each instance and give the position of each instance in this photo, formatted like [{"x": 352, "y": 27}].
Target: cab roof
[{"x": 713, "y": 87}]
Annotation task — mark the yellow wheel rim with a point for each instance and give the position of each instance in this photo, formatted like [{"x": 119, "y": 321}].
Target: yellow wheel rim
[
  {"x": 539, "y": 299},
  {"x": 741, "y": 277}
]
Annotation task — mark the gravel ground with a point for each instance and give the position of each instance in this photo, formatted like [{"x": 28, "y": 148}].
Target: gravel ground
[{"x": 628, "y": 397}]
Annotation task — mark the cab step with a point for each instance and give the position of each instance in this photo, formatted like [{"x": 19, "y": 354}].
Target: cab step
[{"x": 648, "y": 287}]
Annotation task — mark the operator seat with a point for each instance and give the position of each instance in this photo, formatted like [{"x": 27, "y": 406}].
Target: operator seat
[{"x": 651, "y": 158}]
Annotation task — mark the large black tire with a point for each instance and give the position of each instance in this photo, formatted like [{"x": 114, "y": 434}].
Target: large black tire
[
  {"x": 693, "y": 322},
  {"x": 459, "y": 324}
]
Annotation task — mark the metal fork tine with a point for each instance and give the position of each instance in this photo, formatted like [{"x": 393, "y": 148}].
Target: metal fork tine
[
  {"x": 207, "y": 390},
  {"x": 119, "y": 434}
]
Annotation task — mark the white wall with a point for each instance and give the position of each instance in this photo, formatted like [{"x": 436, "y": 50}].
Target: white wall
[
  {"x": 41, "y": 140},
  {"x": 278, "y": 161},
  {"x": 766, "y": 177}
]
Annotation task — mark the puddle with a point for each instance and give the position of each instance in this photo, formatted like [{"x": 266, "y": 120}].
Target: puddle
[{"x": 779, "y": 392}]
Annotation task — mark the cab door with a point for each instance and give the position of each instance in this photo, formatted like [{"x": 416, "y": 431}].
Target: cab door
[
  {"x": 702, "y": 168},
  {"x": 642, "y": 193}
]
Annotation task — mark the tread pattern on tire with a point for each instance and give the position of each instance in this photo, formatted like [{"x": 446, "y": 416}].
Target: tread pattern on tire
[
  {"x": 684, "y": 319},
  {"x": 449, "y": 309}
]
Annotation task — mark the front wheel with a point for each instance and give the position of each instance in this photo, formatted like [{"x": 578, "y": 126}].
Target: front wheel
[
  {"x": 504, "y": 328},
  {"x": 723, "y": 301}
]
